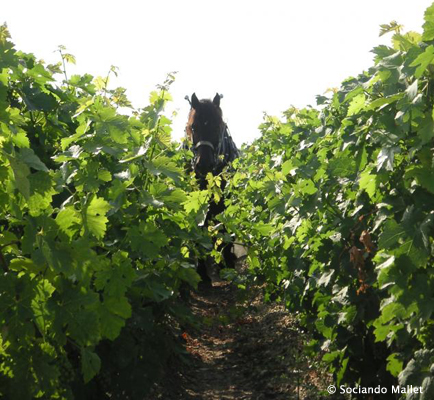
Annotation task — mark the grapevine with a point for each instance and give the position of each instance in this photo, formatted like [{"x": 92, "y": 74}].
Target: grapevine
[
  {"x": 100, "y": 225},
  {"x": 98, "y": 232},
  {"x": 336, "y": 206}
]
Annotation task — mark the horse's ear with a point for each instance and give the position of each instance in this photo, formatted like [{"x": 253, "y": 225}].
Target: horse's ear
[
  {"x": 194, "y": 101},
  {"x": 216, "y": 100}
]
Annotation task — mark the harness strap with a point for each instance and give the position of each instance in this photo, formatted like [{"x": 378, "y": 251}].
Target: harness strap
[{"x": 204, "y": 143}]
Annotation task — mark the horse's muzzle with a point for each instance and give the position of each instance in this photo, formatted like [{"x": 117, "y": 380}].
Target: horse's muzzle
[{"x": 204, "y": 162}]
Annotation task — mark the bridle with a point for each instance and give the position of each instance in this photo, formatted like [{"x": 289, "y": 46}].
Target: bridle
[
  {"x": 224, "y": 152},
  {"x": 217, "y": 151}
]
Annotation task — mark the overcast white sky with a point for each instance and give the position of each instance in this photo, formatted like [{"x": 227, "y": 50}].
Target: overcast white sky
[{"x": 262, "y": 55}]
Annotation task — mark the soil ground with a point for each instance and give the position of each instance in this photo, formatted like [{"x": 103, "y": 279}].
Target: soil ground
[{"x": 252, "y": 352}]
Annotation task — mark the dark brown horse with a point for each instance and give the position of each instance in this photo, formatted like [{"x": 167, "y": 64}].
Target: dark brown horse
[{"x": 213, "y": 149}]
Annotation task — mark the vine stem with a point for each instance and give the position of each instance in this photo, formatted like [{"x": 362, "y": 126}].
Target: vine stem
[
  {"x": 64, "y": 67},
  {"x": 9, "y": 244},
  {"x": 3, "y": 262},
  {"x": 154, "y": 144}
]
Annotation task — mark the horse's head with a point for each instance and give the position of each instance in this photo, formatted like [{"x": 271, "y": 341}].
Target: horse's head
[{"x": 205, "y": 128}]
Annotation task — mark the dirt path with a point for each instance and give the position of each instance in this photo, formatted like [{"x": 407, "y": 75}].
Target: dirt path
[{"x": 241, "y": 353}]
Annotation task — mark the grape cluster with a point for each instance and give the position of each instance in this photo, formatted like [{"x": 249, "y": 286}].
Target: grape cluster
[
  {"x": 104, "y": 380},
  {"x": 67, "y": 373}
]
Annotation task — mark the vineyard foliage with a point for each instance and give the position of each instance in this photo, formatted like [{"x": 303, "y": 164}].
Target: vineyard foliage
[
  {"x": 100, "y": 227},
  {"x": 336, "y": 205}
]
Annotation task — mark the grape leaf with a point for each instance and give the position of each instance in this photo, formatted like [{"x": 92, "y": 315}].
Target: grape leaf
[
  {"x": 90, "y": 364},
  {"x": 95, "y": 220}
]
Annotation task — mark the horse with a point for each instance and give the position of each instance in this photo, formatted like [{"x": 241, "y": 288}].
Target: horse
[{"x": 213, "y": 149}]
